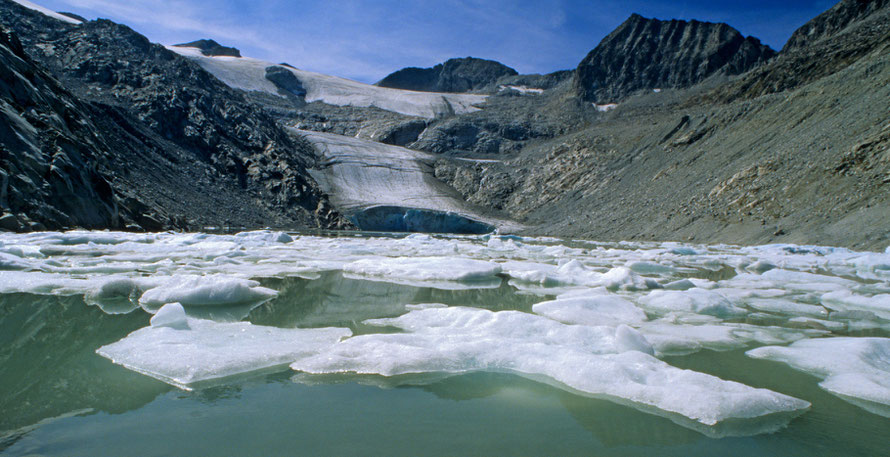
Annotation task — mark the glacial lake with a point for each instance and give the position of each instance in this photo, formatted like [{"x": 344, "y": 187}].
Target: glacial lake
[{"x": 371, "y": 344}]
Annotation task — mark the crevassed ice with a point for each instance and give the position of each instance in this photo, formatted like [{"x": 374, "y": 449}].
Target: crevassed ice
[
  {"x": 183, "y": 352},
  {"x": 855, "y": 369},
  {"x": 594, "y": 360}
]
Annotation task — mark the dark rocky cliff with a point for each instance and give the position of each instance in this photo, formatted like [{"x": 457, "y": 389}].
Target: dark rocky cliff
[
  {"x": 649, "y": 53},
  {"x": 51, "y": 155},
  {"x": 455, "y": 75},
  {"x": 179, "y": 117}
]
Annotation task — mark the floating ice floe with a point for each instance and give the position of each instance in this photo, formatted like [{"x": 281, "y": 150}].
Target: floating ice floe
[
  {"x": 439, "y": 272},
  {"x": 185, "y": 352},
  {"x": 697, "y": 301},
  {"x": 593, "y": 307},
  {"x": 213, "y": 290},
  {"x": 854, "y": 369},
  {"x": 598, "y": 361}
]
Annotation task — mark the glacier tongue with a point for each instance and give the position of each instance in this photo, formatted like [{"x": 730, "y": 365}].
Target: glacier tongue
[
  {"x": 598, "y": 361},
  {"x": 382, "y": 187}
]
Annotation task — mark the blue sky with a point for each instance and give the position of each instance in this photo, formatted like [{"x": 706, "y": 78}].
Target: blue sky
[{"x": 366, "y": 40}]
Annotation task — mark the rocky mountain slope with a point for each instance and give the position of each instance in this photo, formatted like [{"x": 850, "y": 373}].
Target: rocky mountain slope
[
  {"x": 189, "y": 151},
  {"x": 652, "y": 54},
  {"x": 51, "y": 157},
  {"x": 455, "y": 75},
  {"x": 739, "y": 144},
  {"x": 791, "y": 151}
]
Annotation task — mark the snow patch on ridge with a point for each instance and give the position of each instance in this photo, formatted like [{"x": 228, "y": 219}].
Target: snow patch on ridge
[{"x": 47, "y": 11}]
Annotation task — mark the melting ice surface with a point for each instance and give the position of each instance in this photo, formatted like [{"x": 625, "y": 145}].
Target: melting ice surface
[{"x": 603, "y": 319}]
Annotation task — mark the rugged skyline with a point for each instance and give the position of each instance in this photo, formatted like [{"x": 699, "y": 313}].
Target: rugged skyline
[{"x": 366, "y": 41}]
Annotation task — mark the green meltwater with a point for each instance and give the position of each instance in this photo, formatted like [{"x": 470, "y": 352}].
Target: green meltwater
[{"x": 267, "y": 343}]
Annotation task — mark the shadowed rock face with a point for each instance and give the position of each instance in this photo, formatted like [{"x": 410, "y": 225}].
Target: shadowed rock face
[
  {"x": 211, "y": 48},
  {"x": 187, "y": 150},
  {"x": 285, "y": 80},
  {"x": 455, "y": 75},
  {"x": 50, "y": 152},
  {"x": 649, "y": 53},
  {"x": 836, "y": 19}
]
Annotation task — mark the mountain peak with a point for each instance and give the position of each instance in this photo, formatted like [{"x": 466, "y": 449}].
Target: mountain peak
[
  {"x": 211, "y": 48},
  {"x": 647, "y": 53},
  {"x": 455, "y": 75}
]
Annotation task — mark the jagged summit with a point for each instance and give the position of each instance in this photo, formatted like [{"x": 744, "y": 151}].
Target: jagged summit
[
  {"x": 649, "y": 53},
  {"x": 211, "y": 48},
  {"x": 455, "y": 75}
]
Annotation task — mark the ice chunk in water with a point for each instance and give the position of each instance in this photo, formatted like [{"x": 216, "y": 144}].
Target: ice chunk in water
[
  {"x": 434, "y": 269},
  {"x": 700, "y": 301},
  {"x": 589, "y": 360},
  {"x": 206, "y": 291},
  {"x": 205, "y": 351},
  {"x": 844, "y": 300},
  {"x": 591, "y": 310},
  {"x": 855, "y": 369},
  {"x": 628, "y": 339},
  {"x": 170, "y": 315}
]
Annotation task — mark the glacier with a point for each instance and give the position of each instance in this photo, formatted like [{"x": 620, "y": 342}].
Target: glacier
[
  {"x": 381, "y": 187},
  {"x": 249, "y": 74}
]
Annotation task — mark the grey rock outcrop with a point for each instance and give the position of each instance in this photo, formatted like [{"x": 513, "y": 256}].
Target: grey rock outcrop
[
  {"x": 833, "y": 21},
  {"x": 187, "y": 147},
  {"x": 211, "y": 48},
  {"x": 455, "y": 75},
  {"x": 649, "y": 53},
  {"x": 285, "y": 80},
  {"x": 51, "y": 154},
  {"x": 849, "y": 31}
]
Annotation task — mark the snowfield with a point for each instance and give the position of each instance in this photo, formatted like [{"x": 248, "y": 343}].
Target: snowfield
[{"x": 249, "y": 74}]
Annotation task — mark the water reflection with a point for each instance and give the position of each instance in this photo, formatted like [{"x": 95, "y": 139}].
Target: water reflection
[
  {"x": 339, "y": 301},
  {"x": 48, "y": 366}
]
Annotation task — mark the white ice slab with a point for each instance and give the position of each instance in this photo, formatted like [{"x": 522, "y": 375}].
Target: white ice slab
[
  {"x": 698, "y": 301},
  {"x": 855, "y": 369},
  {"x": 594, "y": 309},
  {"x": 590, "y": 360},
  {"x": 212, "y": 290},
  {"x": 426, "y": 269},
  {"x": 206, "y": 351}
]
